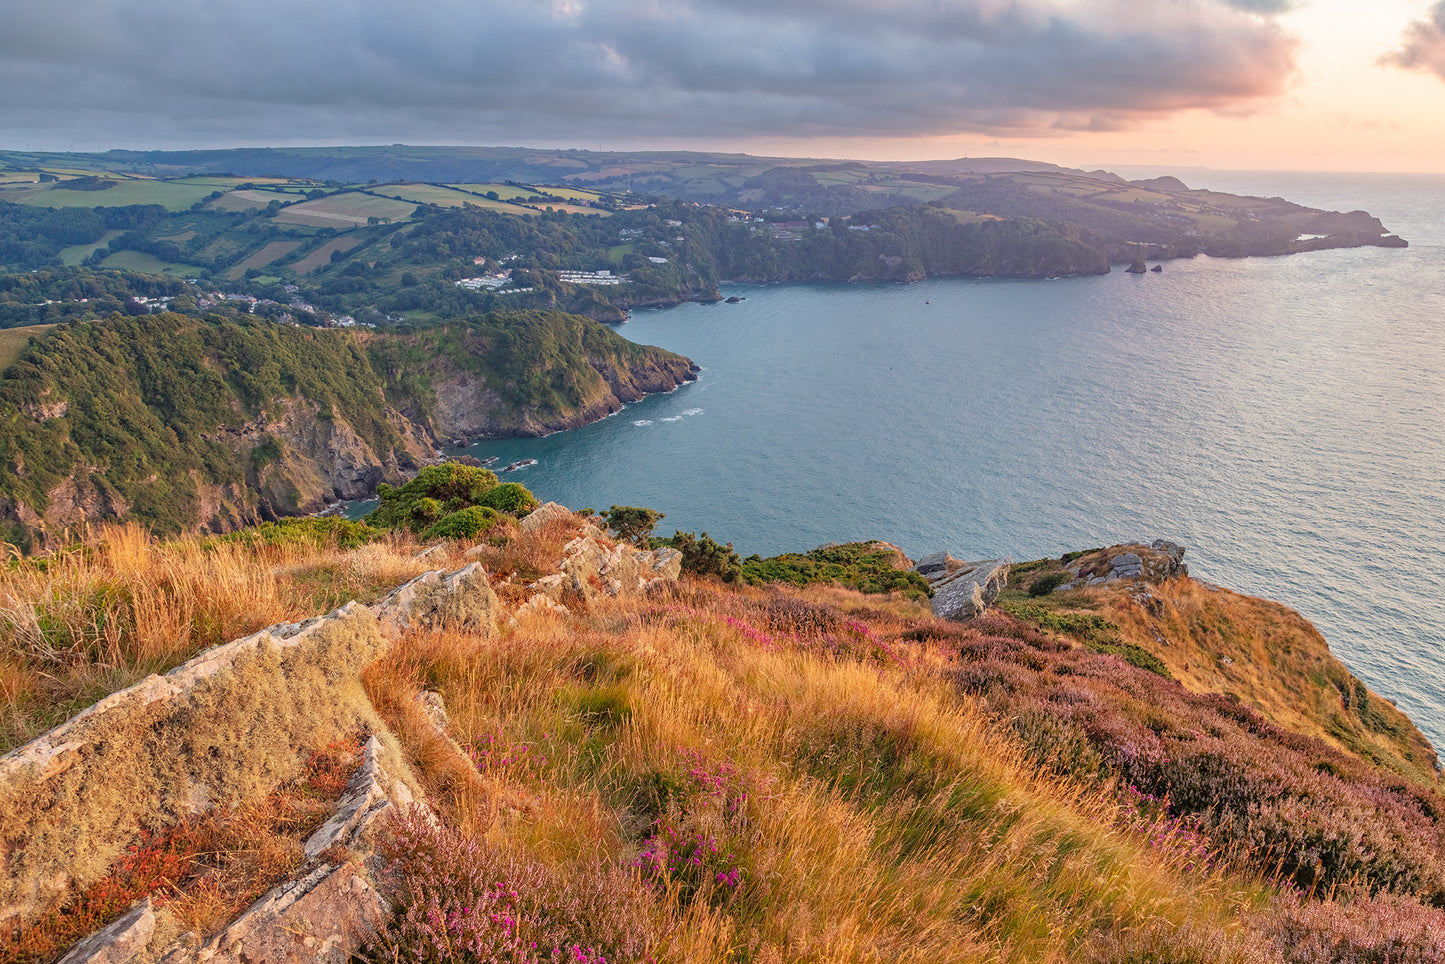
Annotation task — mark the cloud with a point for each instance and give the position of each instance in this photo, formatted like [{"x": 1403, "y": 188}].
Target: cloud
[
  {"x": 580, "y": 71},
  {"x": 1424, "y": 44}
]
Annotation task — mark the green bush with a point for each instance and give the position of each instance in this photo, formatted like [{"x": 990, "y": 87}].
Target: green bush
[
  {"x": 464, "y": 523},
  {"x": 855, "y": 565},
  {"x": 509, "y": 497},
  {"x": 702, "y": 556},
  {"x": 1046, "y": 584},
  {"x": 433, "y": 502}
]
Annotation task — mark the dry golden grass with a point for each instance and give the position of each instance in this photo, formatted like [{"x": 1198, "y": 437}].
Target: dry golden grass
[
  {"x": 862, "y": 808},
  {"x": 119, "y": 605},
  {"x": 884, "y": 819}
]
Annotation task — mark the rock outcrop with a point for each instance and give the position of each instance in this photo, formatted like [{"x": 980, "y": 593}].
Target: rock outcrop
[
  {"x": 459, "y": 600},
  {"x": 590, "y": 568},
  {"x": 1156, "y": 562},
  {"x": 963, "y": 590},
  {"x": 227, "y": 726}
]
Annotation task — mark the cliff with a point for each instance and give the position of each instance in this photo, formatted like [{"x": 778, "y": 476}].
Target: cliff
[{"x": 192, "y": 424}]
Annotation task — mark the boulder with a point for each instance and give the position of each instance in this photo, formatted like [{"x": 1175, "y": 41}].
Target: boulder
[
  {"x": 462, "y": 599},
  {"x": 542, "y": 515},
  {"x": 969, "y": 592}
]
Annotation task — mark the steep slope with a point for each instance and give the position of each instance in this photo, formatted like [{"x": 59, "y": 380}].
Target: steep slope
[{"x": 189, "y": 424}]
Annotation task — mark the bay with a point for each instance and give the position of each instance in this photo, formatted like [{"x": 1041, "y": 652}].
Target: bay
[{"x": 1281, "y": 417}]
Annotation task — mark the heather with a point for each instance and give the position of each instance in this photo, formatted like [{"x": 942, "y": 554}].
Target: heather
[{"x": 718, "y": 771}]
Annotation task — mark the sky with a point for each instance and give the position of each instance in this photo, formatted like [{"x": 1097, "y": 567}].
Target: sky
[{"x": 1235, "y": 84}]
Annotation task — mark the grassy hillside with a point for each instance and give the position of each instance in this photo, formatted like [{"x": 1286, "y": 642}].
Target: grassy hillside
[{"x": 721, "y": 772}]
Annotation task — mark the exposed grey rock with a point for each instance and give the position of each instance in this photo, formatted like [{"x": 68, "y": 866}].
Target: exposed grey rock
[
  {"x": 118, "y": 942},
  {"x": 544, "y": 514},
  {"x": 367, "y": 797},
  {"x": 937, "y": 566},
  {"x": 462, "y": 599},
  {"x": 969, "y": 592},
  {"x": 589, "y": 567}
]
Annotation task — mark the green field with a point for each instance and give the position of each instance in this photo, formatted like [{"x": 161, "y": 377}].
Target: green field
[
  {"x": 429, "y": 194},
  {"x": 172, "y": 195},
  {"x": 75, "y": 254},
  {"x": 13, "y": 342},
  {"x": 244, "y": 200},
  {"x": 148, "y": 264},
  {"x": 505, "y": 192},
  {"x": 345, "y": 211}
]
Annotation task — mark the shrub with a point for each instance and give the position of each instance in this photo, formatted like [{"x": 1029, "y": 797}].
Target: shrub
[
  {"x": 439, "y": 492},
  {"x": 464, "y": 523},
  {"x": 702, "y": 556},
  {"x": 854, "y": 565},
  {"x": 459, "y": 898},
  {"x": 509, "y": 497},
  {"x": 1047, "y": 583}
]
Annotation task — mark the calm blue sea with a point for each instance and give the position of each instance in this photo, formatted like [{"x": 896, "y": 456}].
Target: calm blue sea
[{"x": 1281, "y": 417}]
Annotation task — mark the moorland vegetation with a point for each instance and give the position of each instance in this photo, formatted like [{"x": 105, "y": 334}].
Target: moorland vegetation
[{"x": 722, "y": 771}]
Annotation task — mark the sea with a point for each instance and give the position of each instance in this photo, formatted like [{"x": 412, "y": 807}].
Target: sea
[{"x": 1283, "y": 418}]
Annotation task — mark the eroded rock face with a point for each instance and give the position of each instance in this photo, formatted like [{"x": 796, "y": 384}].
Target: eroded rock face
[
  {"x": 968, "y": 592},
  {"x": 461, "y": 600},
  {"x": 590, "y": 568}
]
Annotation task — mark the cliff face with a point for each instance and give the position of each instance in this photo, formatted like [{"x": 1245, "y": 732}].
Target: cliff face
[{"x": 189, "y": 425}]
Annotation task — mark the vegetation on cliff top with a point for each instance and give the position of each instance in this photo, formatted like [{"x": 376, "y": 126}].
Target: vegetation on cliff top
[
  {"x": 135, "y": 416},
  {"x": 722, "y": 771}
]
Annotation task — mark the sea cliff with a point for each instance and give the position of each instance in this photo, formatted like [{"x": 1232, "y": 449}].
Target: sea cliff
[{"x": 190, "y": 424}]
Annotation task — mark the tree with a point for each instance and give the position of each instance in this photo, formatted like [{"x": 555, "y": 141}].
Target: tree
[{"x": 632, "y": 523}]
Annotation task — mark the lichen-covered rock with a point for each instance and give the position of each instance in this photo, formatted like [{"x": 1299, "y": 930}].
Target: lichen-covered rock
[
  {"x": 462, "y": 599},
  {"x": 225, "y": 727},
  {"x": 969, "y": 592}
]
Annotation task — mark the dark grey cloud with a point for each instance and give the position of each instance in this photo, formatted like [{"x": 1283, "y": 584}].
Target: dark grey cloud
[
  {"x": 1424, "y": 44},
  {"x": 135, "y": 72}
]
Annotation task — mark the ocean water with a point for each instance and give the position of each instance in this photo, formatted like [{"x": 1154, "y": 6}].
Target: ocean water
[{"x": 1283, "y": 418}]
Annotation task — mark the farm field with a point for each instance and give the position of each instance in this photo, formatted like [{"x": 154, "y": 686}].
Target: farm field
[
  {"x": 172, "y": 195},
  {"x": 345, "y": 210},
  {"x": 322, "y": 255},
  {"x": 271, "y": 253},
  {"x": 75, "y": 254},
  {"x": 244, "y": 200},
  {"x": 430, "y": 194},
  {"x": 13, "y": 342},
  {"x": 148, "y": 264}
]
